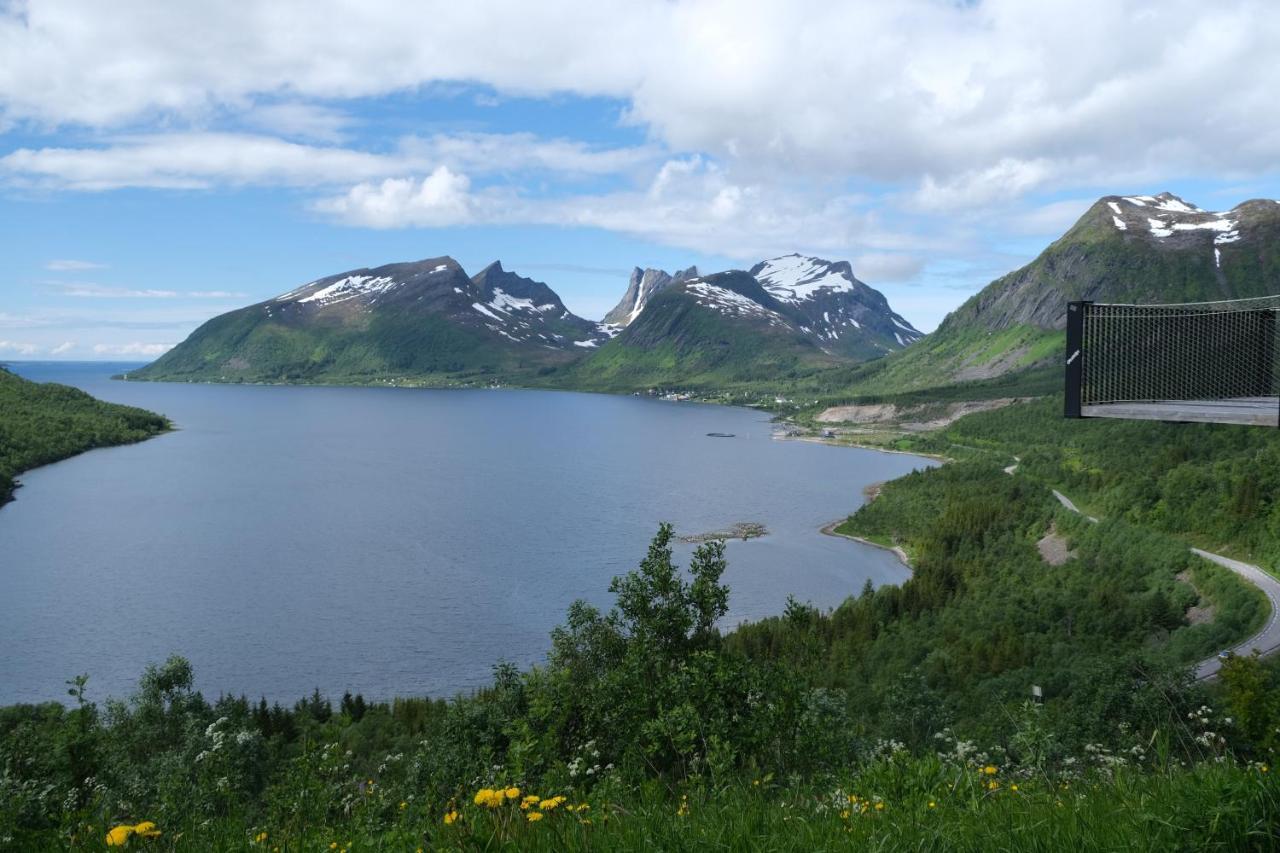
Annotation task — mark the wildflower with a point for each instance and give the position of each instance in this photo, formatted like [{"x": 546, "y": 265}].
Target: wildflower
[
  {"x": 333, "y": 845},
  {"x": 403, "y": 805},
  {"x": 879, "y": 807},
  {"x": 119, "y": 836},
  {"x": 990, "y": 770},
  {"x": 450, "y": 817},
  {"x": 512, "y": 792},
  {"x": 991, "y": 786},
  {"x": 489, "y": 798},
  {"x": 844, "y": 815},
  {"x": 580, "y": 807},
  {"x": 260, "y": 838},
  {"x": 684, "y": 806},
  {"x": 146, "y": 829},
  {"x": 1013, "y": 787},
  {"x": 932, "y": 804},
  {"x": 531, "y": 800},
  {"x": 534, "y": 817},
  {"x": 756, "y": 783},
  {"x": 548, "y": 805}
]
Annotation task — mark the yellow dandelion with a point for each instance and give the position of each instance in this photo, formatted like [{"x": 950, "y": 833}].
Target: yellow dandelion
[
  {"x": 146, "y": 829},
  {"x": 549, "y": 804},
  {"x": 844, "y": 814},
  {"x": 990, "y": 770},
  {"x": 119, "y": 836},
  {"x": 512, "y": 792},
  {"x": 333, "y": 845},
  {"x": 932, "y": 804},
  {"x": 1013, "y": 787},
  {"x": 879, "y": 807},
  {"x": 403, "y": 805},
  {"x": 259, "y": 838},
  {"x": 450, "y": 817},
  {"x": 533, "y": 817},
  {"x": 756, "y": 783}
]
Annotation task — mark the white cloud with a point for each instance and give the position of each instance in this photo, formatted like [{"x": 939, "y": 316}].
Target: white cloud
[
  {"x": 73, "y": 266},
  {"x": 202, "y": 160},
  {"x": 441, "y": 198},
  {"x": 63, "y": 348},
  {"x": 134, "y": 348},
  {"x": 890, "y": 91},
  {"x": 95, "y": 291},
  {"x": 301, "y": 121},
  {"x": 19, "y": 347},
  {"x": 691, "y": 203}
]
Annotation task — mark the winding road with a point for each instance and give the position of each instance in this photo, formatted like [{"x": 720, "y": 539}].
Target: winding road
[{"x": 1265, "y": 641}]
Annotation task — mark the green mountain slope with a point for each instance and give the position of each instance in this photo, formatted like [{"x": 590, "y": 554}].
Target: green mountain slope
[
  {"x": 713, "y": 332},
  {"x": 424, "y": 321},
  {"x": 45, "y": 422},
  {"x": 1139, "y": 249}
]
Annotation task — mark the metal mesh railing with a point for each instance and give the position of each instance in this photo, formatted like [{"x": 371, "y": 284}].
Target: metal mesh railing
[{"x": 1208, "y": 351}]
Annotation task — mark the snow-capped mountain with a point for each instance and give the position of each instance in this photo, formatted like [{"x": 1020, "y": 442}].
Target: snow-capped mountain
[
  {"x": 424, "y": 317},
  {"x": 640, "y": 289},
  {"x": 1137, "y": 249},
  {"x": 844, "y": 313}
]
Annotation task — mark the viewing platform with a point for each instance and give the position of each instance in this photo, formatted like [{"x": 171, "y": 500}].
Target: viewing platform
[{"x": 1203, "y": 362}]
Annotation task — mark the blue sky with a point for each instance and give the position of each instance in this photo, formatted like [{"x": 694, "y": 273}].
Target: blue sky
[{"x": 160, "y": 164}]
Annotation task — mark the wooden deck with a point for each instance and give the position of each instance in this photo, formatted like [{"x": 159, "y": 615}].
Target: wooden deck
[{"x": 1249, "y": 411}]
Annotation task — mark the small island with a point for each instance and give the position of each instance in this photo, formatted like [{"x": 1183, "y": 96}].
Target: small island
[{"x": 742, "y": 530}]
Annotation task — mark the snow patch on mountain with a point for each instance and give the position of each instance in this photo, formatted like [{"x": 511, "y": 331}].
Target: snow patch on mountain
[
  {"x": 795, "y": 278},
  {"x": 731, "y": 302},
  {"x": 347, "y": 288}
]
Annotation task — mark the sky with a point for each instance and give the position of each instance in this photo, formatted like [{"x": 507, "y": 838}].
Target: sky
[{"x": 161, "y": 163}]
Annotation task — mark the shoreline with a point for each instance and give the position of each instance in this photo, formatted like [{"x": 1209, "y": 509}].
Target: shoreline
[{"x": 896, "y": 550}]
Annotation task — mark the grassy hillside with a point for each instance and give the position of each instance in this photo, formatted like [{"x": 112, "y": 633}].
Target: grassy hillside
[
  {"x": 242, "y": 347},
  {"x": 1016, "y": 321},
  {"x": 1215, "y": 485},
  {"x": 42, "y": 423},
  {"x": 677, "y": 343}
]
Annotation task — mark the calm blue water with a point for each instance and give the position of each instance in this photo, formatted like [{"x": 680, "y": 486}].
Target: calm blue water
[{"x": 390, "y": 541}]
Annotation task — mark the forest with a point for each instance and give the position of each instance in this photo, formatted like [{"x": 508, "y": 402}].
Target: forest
[
  {"x": 1217, "y": 486},
  {"x": 45, "y": 422}
]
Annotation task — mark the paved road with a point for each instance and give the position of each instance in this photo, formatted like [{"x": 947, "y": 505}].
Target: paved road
[{"x": 1265, "y": 641}]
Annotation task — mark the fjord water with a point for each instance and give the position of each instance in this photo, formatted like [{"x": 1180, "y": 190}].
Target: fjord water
[{"x": 391, "y": 541}]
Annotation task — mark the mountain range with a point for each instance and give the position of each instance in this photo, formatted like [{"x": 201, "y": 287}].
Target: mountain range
[
  {"x": 429, "y": 322},
  {"x": 786, "y": 320}
]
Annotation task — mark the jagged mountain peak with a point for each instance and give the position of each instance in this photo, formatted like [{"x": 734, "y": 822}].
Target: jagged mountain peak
[{"x": 642, "y": 286}]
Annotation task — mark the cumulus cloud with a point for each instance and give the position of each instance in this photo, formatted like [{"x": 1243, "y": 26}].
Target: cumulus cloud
[
  {"x": 133, "y": 348},
  {"x": 19, "y": 347},
  {"x": 63, "y": 348},
  {"x": 887, "y": 91},
  {"x": 690, "y": 202},
  {"x": 441, "y": 198}
]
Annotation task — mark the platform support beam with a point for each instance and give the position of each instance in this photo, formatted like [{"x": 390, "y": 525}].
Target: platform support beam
[{"x": 1075, "y": 358}]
